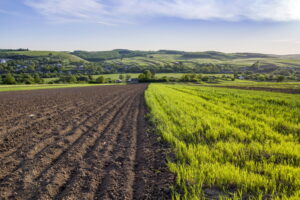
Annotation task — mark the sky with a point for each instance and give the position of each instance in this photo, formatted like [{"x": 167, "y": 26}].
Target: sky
[{"x": 263, "y": 26}]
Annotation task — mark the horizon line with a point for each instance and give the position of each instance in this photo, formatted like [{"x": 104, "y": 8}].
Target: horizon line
[{"x": 201, "y": 51}]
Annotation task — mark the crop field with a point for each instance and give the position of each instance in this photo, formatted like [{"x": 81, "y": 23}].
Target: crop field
[
  {"x": 201, "y": 143},
  {"x": 79, "y": 143},
  {"x": 246, "y": 83},
  {"x": 229, "y": 143},
  {"x": 285, "y": 87}
]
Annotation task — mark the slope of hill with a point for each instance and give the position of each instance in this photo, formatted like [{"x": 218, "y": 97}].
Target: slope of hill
[
  {"x": 167, "y": 61},
  {"x": 97, "y": 56},
  {"x": 33, "y": 54},
  {"x": 162, "y": 61},
  {"x": 291, "y": 56},
  {"x": 124, "y": 53},
  {"x": 221, "y": 56}
]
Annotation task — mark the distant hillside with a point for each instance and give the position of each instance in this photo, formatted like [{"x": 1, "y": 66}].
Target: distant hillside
[
  {"x": 292, "y": 56},
  {"x": 167, "y": 61},
  {"x": 171, "y": 52},
  {"x": 10, "y": 54},
  {"x": 98, "y": 56},
  {"x": 250, "y": 55},
  {"x": 222, "y": 56},
  {"x": 162, "y": 61}
]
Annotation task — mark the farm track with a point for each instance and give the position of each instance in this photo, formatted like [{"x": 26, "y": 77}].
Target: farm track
[{"x": 85, "y": 143}]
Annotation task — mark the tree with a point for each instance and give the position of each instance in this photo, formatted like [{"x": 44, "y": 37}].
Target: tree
[
  {"x": 280, "y": 78},
  {"x": 199, "y": 76},
  {"x": 148, "y": 75},
  {"x": 31, "y": 68},
  {"x": 261, "y": 77},
  {"x": 152, "y": 75},
  {"x": 90, "y": 78},
  {"x": 9, "y": 79},
  {"x": 141, "y": 77},
  {"x": 100, "y": 79},
  {"x": 73, "y": 79},
  {"x": 270, "y": 77},
  {"x": 82, "y": 78},
  {"x": 236, "y": 75},
  {"x": 37, "y": 79},
  {"x": 128, "y": 77},
  {"x": 192, "y": 76},
  {"x": 205, "y": 78},
  {"x": 185, "y": 77},
  {"x": 165, "y": 79},
  {"x": 121, "y": 76},
  {"x": 27, "y": 79}
]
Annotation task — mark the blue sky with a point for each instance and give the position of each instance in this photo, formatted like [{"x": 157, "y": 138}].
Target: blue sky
[{"x": 266, "y": 26}]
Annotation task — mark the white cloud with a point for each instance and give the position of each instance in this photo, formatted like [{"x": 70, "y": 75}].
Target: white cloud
[{"x": 120, "y": 11}]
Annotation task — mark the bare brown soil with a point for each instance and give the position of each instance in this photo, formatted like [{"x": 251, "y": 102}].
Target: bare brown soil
[
  {"x": 282, "y": 90},
  {"x": 80, "y": 143}
]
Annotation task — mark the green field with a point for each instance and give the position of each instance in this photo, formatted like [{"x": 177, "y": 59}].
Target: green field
[
  {"x": 229, "y": 143},
  {"x": 246, "y": 83},
  {"x": 5, "y": 88}
]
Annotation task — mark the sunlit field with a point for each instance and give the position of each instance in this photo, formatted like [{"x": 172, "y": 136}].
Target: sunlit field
[
  {"x": 248, "y": 83},
  {"x": 229, "y": 143}
]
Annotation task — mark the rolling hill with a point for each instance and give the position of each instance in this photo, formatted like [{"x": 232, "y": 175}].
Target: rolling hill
[
  {"x": 166, "y": 61},
  {"x": 34, "y": 54}
]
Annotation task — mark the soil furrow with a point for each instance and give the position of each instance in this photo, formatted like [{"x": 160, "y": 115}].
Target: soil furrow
[
  {"x": 93, "y": 159},
  {"x": 81, "y": 143},
  {"x": 14, "y": 121},
  {"x": 55, "y": 151},
  {"x": 66, "y": 164},
  {"x": 58, "y": 116},
  {"x": 119, "y": 174},
  {"x": 53, "y": 135},
  {"x": 152, "y": 177}
]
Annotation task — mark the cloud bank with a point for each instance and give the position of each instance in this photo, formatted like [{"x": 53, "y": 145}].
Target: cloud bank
[{"x": 125, "y": 11}]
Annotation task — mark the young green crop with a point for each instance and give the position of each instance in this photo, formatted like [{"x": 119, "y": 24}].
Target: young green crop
[
  {"x": 248, "y": 83},
  {"x": 229, "y": 143}
]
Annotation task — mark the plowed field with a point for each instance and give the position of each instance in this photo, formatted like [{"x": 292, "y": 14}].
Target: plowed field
[{"x": 79, "y": 143}]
